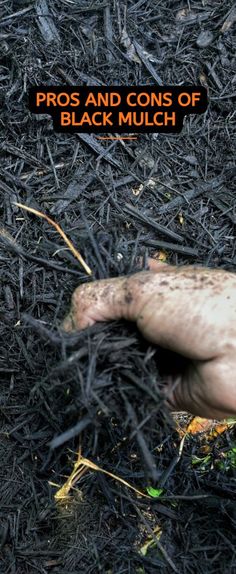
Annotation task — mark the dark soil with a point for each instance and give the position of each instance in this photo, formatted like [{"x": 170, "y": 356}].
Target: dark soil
[{"x": 104, "y": 385}]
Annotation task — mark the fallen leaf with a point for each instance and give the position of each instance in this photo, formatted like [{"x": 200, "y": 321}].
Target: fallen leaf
[
  {"x": 160, "y": 256},
  {"x": 154, "y": 492},
  {"x": 198, "y": 424},
  {"x": 218, "y": 429},
  {"x": 150, "y": 542}
]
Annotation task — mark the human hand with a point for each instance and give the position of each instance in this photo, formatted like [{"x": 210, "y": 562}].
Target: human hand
[{"x": 190, "y": 310}]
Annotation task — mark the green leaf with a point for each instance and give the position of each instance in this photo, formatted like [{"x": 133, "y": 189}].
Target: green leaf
[
  {"x": 201, "y": 461},
  {"x": 154, "y": 492}
]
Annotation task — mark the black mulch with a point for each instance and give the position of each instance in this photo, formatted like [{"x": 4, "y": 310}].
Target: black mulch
[{"x": 104, "y": 385}]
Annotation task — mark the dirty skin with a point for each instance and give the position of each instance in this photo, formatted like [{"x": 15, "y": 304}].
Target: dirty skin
[{"x": 189, "y": 310}]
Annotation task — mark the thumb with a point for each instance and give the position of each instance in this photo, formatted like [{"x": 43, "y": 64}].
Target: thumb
[
  {"x": 109, "y": 299},
  {"x": 103, "y": 300}
]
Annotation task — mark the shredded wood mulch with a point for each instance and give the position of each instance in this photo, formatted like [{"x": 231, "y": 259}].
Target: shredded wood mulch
[{"x": 101, "y": 390}]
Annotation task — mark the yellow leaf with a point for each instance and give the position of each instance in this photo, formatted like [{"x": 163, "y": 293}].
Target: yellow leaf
[
  {"x": 150, "y": 542},
  {"x": 160, "y": 256},
  {"x": 198, "y": 424}
]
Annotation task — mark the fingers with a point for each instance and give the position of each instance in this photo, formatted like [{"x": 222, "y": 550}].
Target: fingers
[
  {"x": 102, "y": 300},
  {"x": 109, "y": 299},
  {"x": 189, "y": 310},
  {"x": 206, "y": 389},
  {"x": 105, "y": 300}
]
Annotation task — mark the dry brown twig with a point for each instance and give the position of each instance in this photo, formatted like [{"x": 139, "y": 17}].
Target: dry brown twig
[
  {"x": 80, "y": 467},
  {"x": 60, "y": 231}
]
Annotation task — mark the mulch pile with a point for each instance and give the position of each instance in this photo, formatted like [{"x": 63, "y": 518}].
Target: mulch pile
[{"x": 101, "y": 390}]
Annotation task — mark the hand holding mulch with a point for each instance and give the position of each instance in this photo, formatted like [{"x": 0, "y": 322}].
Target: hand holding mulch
[{"x": 189, "y": 310}]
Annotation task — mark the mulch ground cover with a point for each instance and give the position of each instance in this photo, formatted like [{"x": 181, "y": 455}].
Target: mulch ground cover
[{"x": 99, "y": 392}]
